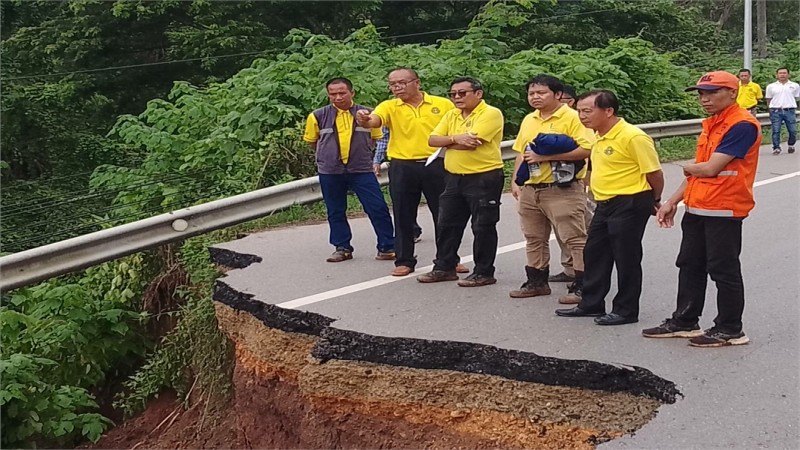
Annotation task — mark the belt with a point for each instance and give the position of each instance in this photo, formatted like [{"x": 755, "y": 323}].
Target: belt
[
  {"x": 423, "y": 160},
  {"x": 548, "y": 185},
  {"x": 781, "y": 109}
]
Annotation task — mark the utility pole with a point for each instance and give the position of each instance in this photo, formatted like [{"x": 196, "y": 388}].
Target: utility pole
[
  {"x": 748, "y": 34},
  {"x": 761, "y": 28}
]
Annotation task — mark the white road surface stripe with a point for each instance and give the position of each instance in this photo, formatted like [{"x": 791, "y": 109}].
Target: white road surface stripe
[{"x": 353, "y": 288}]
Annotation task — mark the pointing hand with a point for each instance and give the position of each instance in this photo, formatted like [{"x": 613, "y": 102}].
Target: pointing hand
[{"x": 362, "y": 116}]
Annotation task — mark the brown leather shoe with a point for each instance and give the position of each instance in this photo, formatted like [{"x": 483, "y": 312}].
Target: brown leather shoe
[
  {"x": 574, "y": 294},
  {"x": 388, "y": 255},
  {"x": 569, "y": 299},
  {"x": 340, "y": 255},
  {"x": 435, "y": 276},
  {"x": 401, "y": 271},
  {"x": 460, "y": 268},
  {"x": 476, "y": 280},
  {"x": 529, "y": 290}
]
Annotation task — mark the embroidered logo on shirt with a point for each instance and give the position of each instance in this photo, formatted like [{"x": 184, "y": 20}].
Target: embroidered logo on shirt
[
  {"x": 435, "y": 110},
  {"x": 608, "y": 151}
]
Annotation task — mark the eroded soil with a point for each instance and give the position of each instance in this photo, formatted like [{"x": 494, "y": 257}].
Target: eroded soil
[{"x": 284, "y": 398}]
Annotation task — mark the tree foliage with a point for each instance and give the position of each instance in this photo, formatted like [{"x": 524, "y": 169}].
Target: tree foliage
[
  {"x": 70, "y": 68},
  {"x": 232, "y": 124},
  {"x": 243, "y": 133},
  {"x": 59, "y": 339}
]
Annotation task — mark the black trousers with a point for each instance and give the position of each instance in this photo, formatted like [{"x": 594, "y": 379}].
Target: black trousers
[
  {"x": 408, "y": 180},
  {"x": 477, "y": 196},
  {"x": 710, "y": 246},
  {"x": 615, "y": 239}
]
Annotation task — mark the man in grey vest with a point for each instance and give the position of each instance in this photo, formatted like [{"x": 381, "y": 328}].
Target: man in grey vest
[{"x": 344, "y": 162}]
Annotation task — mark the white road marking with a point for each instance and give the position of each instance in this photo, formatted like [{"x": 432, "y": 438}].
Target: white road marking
[{"x": 353, "y": 288}]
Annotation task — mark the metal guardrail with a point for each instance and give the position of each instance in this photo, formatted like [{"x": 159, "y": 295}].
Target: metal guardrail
[{"x": 40, "y": 263}]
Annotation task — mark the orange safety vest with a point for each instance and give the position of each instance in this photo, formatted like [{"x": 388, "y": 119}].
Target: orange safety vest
[{"x": 730, "y": 193}]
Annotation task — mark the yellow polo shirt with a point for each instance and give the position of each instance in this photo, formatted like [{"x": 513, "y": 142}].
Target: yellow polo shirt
[
  {"x": 344, "y": 128},
  {"x": 410, "y": 127},
  {"x": 749, "y": 95},
  {"x": 564, "y": 121},
  {"x": 487, "y": 123},
  {"x": 621, "y": 159}
]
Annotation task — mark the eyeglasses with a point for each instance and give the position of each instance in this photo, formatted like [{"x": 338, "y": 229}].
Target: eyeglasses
[
  {"x": 400, "y": 84},
  {"x": 457, "y": 94}
]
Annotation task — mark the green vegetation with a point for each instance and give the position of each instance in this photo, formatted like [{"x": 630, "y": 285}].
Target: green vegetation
[
  {"x": 676, "y": 148},
  {"x": 209, "y": 105},
  {"x": 60, "y": 339}
]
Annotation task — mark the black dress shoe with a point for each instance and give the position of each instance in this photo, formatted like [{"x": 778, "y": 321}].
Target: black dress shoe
[
  {"x": 614, "y": 319},
  {"x": 578, "y": 312}
]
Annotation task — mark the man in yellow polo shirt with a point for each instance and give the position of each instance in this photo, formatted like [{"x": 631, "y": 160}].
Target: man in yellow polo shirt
[
  {"x": 344, "y": 162},
  {"x": 749, "y": 92},
  {"x": 410, "y": 118},
  {"x": 470, "y": 136},
  {"x": 544, "y": 201},
  {"x": 626, "y": 182}
]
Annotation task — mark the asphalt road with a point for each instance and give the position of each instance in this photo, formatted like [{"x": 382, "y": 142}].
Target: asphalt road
[{"x": 738, "y": 397}]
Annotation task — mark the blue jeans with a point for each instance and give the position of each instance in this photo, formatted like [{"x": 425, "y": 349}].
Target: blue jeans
[
  {"x": 787, "y": 116},
  {"x": 366, "y": 187}
]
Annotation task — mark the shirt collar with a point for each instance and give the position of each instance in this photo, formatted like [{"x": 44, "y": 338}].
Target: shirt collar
[
  {"x": 479, "y": 108},
  {"x": 557, "y": 113},
  {"x": 614, "y": 131},
  {"x": 425, "y": 99},
  {"x": 339, "y": 111}
]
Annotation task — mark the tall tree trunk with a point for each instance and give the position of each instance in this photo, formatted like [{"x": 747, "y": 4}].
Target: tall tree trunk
[
  {"x": 725, "y": 13},
  {"x": 761, "y": 28}
]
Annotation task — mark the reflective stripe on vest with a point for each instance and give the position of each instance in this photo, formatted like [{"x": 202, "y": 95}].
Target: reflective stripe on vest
[
  {"x": 728, "y": 173},
  {"x": 709, "y": 212}
]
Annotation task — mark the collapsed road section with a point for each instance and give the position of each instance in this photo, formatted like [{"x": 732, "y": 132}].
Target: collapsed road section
[{"x": 303, "y": 383}]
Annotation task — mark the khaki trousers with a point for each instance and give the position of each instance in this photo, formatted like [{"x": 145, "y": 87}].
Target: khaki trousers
[
  {"x": 544, "y": 209},
  {"x": 566, "y": 255}
]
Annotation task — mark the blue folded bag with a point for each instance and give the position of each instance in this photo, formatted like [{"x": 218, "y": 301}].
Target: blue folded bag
[
  {"x": 545, "y": 144},
  {"x": 553, "y": 144}
]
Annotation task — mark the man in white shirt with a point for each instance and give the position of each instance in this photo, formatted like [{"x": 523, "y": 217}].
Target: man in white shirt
[{"x": 781, "y": 97}]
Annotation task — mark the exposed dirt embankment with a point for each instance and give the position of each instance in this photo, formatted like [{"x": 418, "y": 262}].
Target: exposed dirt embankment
[
  {"x": 364, "y": 404},
  {"x": 301, "y": 383}
]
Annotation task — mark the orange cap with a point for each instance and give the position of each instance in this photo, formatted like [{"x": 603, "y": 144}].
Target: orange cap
[{"x": 716, "y": 80}]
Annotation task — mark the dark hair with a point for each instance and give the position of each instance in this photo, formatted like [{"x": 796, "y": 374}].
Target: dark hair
[
  {"x": 603, "y": 98},
  {"x": 744, "y": 70},
  {"x": 338, "y": 80},
  {"x": 552, "y": 83},
  {"x": 473, "y": 83},
  {"x": 570, "y": 91},
  {"x": 782, "y": 68},
  {"x": 413, "y": 72}
]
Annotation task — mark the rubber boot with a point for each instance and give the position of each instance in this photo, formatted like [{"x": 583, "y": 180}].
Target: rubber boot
[{"x": 535, "y": 286}]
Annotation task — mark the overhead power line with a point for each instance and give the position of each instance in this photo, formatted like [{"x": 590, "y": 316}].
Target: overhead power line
[
  {"x": 161, "y": 63},
  {"x": 173, "y": 206},
  {"x": 131, "y": 66}
]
